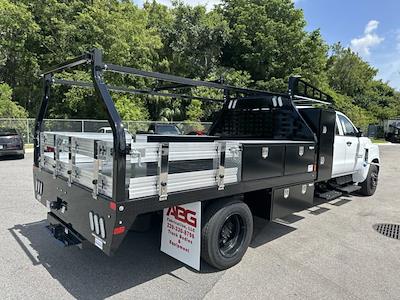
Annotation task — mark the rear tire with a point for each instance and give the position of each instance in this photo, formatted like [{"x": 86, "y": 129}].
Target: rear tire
[
  {"x": 368, "y": 186},
  {"x": 226, "y": 233}
]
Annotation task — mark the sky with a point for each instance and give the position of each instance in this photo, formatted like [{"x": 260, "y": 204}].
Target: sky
[{"x": 369, "y": 27}]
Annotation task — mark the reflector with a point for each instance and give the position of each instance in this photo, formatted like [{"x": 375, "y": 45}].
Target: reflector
[
  {"x": 96, "y": 224},
  {"x": 91, "y": 222},
  {"x": 119, "y": 230},
  {"x": 102, "y": 228}
]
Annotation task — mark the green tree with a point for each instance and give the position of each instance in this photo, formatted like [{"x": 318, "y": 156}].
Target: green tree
[
  {"x": 8, "y": 108},
  {"x": 19, "y": 66},
  {"x": 256, "y": 43},
  {"x": 268, "y": 40},
  {"x": 194, "y": 114},
  {"x": 367, "y": 98},
  {"x": 131, "y": 108},
  {"x": 69, "y": 29},
  {"x": 194, "y": 111},
  {"x": 193, "y": 39},
  {"x": 347, "y": 73}
]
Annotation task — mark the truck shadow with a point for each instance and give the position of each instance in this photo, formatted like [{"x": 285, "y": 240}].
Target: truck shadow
[
  {"x": 265, "y": 232},
  {"x": 89, "y": 273}
]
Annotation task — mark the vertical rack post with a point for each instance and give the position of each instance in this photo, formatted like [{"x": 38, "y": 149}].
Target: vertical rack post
[
  {"x": 48, "y": 78},
  {"x": 120, "y": 191}
]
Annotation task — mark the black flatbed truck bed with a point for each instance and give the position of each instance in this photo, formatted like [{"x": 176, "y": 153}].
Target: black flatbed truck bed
[{"x": 259, "y": 139}]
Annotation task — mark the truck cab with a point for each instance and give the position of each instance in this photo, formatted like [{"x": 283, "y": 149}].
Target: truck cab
[
  {"x": 347, "y": 162},
  {"x": 352, "y": 152},
  {"x": 354, "y": 155}
]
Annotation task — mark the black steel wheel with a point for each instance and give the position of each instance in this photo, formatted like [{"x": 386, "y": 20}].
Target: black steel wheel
[
  {"x": 226, "y": 233},
  {"x": 368, "y": 186},
  {"x": 231, "y": 235}
]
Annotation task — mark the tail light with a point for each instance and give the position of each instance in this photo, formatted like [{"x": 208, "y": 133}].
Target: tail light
[
  {"x": 119, "y": 230},
  {"x": 49, "y": 149}
]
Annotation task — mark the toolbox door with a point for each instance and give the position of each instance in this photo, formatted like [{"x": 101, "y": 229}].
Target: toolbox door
[
  {"x": 262, "y": 161},
  {"x": 299, "y": 158},
  {"x": 287, "y": 200}
]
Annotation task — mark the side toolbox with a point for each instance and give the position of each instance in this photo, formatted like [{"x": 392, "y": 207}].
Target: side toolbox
[
  {"x": 287, "y": 200},
  {"x": 323, "y": 123},
  {"x": 299, "y": 158},
  {"x": 262, "y": 161}
]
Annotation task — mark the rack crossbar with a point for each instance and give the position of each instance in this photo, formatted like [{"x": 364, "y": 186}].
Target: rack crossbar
[{"x": 89, "y": 85}]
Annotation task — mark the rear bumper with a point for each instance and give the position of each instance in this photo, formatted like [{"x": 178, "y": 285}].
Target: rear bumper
[
  {"x": 6, "y": 152},
  {"x": 70, "y": 210}
]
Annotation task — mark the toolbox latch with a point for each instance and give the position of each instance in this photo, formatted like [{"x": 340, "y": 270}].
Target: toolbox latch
[
  {"x": 221, "y": 165},
  {"x": 264, "y": 152},
  {"x": 163, "y": 165}
]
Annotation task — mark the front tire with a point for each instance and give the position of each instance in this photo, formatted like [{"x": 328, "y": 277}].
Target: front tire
[
  {"x": 226, "y": 233},
  {"x": 368, "y": 186}
]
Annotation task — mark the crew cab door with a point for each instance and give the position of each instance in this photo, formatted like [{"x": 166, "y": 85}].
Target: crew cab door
[
  {"x": 339, "y": 151},
  {"x": 346, "y": 147}
]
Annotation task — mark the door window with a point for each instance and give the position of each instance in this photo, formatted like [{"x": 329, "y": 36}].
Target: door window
[{"x": 348, "y": 128}]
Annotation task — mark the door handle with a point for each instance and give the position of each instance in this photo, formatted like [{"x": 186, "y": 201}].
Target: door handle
[{"x": 349, "y": 143}]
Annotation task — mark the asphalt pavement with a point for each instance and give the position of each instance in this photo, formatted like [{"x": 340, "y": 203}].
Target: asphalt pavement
[{"x": 329, "y": 251}]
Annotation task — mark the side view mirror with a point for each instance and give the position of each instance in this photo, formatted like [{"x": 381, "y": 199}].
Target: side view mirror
[{"x": 359, "y": 133}]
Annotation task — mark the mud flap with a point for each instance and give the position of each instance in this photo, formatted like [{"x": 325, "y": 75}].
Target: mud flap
[{"x": 181, "y": 233}]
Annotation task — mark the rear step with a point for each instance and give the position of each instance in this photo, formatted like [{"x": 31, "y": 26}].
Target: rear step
[
  {"x": 330, "y": 195},
  {"x": 348, "y": 189}
]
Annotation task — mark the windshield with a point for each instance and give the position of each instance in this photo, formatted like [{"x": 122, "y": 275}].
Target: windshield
[
  {"x": 8, "y": 131},
  {"x": 167, "y": 129}
]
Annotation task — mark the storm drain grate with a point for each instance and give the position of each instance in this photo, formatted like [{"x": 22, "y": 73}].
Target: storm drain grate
[{"x": 389, "y": 230}]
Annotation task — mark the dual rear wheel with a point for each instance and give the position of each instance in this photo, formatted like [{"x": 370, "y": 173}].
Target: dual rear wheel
[{"x": 226, "y": 233}]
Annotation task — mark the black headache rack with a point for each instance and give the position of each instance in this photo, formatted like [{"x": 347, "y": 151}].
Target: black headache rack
[
  {"x": 303, "y": 93},
  {"x": 95, "y": 62},
  {"x": 259, "y": 142}
]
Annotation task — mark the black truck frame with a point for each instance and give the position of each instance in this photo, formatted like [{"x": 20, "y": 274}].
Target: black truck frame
[{"x": 282, "y": 154}]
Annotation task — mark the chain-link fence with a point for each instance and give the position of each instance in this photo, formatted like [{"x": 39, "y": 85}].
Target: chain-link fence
[{"x": 26, "y": 126}]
